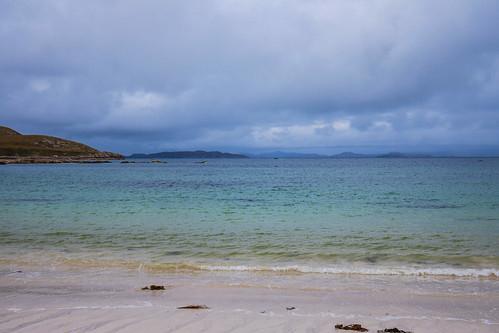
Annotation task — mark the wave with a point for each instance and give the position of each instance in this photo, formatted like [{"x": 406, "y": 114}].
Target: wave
[
  {"x": 487, "y": 273},
  {"x": 192, "y": 267}
]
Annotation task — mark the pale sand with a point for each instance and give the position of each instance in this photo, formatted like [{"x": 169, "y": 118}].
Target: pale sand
[{"x": 111, "y": 301}]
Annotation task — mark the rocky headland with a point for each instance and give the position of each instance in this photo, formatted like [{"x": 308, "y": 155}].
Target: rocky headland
[{"x": 16, "y": 148}]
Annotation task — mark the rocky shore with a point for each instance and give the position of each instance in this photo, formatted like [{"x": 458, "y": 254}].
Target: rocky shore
[{"x": 104, "y": 158}]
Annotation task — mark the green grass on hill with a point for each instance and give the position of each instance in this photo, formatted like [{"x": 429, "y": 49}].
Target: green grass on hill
[{"x": 13, "y": 143}]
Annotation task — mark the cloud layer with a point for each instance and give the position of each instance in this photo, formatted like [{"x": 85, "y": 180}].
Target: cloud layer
[{"x": 149, "y": 75}]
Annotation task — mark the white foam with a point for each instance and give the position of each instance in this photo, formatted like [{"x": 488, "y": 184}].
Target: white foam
[
  {"x": 109, "y": 307},
  {"x": 14, "y": 309},
  {"x": 489, "y": 273}
]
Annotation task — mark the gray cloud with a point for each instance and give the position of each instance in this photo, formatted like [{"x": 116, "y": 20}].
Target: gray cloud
[{"x": 128, "y": 75}]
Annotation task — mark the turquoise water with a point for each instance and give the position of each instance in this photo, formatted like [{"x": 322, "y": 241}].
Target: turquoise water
[{"x": 386, "y": 216}]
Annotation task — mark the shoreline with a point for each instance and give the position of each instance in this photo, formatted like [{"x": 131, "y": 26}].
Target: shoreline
[
  {"x": 90, "y": 159},
  {"x": 193, "y": 266},
  {"x": 59, "y": 299}
]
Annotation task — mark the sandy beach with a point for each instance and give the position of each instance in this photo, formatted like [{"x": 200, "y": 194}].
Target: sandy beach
[
  {"x": 253, "y": 166},
  {"x": 97, "y": 300}
]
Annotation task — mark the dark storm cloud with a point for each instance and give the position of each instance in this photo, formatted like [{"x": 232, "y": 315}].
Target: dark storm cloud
[{"x": 148, "y": 75}]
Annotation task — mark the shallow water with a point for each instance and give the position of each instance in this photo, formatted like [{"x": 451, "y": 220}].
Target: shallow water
[{"x": 374, "y": 216}]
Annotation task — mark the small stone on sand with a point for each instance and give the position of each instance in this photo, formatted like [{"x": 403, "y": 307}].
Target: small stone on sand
[
  {"x": 351, "y": 327},
  {"x": 154, "y": 287},
  {"x": 194, "y": 307}
]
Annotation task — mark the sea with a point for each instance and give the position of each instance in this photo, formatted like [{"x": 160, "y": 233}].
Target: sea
[{"x": 367, "y": 216}]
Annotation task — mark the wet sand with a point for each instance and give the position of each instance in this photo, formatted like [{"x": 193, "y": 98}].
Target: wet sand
[{"x": 76, "y": 300}]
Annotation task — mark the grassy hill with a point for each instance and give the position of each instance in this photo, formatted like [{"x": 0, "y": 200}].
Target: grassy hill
[{"x": 14, "y": 144}]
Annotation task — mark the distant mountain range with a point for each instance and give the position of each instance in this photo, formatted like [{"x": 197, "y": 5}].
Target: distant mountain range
[
  {"x": 405, "y": 155},
  {"x": 18, "y": 148},
  {"x": 280, "y": 154},
  {"x": 350, "y": 155},
  {"x": 188, "y": 154},
  {"x": 201, "y": 154}
]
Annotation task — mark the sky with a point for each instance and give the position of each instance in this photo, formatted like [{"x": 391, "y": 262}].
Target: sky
[{"x": 303, "y": 75}]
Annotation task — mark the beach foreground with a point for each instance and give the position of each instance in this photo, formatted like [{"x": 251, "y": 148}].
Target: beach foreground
[{"x": 98, "y": 300}]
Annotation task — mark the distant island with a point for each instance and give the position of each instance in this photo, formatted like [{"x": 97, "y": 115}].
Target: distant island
[
  {"x": 18, "y": 148},
  {"x": 188, "y": 154}
]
